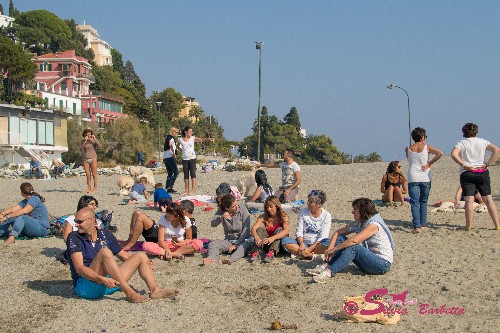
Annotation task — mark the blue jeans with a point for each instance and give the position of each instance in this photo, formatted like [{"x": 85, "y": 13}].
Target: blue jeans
[
  {"x": 289, "y": 240},
  {"x": 172, "y": 171},
  {"x": 366, "y": 260},
  {"x": 419, "y": 192},
  {"x": 24, "y": 225},
  {"x": 38, "y": 172}
]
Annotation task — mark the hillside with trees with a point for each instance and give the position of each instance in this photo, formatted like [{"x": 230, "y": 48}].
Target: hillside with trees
[{"x": 41, "y": 32}]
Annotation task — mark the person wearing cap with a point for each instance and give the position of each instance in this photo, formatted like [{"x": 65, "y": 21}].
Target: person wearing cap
[{"x": 94, "y": 270}]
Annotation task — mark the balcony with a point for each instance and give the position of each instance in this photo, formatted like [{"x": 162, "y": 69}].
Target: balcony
[{"x": 89, "y": 77}]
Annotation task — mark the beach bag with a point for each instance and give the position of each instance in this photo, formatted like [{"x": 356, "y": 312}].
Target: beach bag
[
  {"x": 352, "y": 307},
  {"x": 236, "y": 193}
]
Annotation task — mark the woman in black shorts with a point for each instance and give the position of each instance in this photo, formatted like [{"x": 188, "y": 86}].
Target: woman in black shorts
[{"x": 469, "y": 154}]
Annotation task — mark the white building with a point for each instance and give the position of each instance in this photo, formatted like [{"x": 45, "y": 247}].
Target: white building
[
  {"x": 101, "y": 48},
  {"x": 5, "y": 21}
]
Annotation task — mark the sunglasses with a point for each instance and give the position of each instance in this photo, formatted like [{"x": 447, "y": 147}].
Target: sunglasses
[
  {"x": 314, "y": 193},
  {"x": 81, "y": 221}
]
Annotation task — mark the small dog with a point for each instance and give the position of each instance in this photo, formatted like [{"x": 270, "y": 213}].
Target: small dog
[
  {"x": 139, "y": 171},
  {"x": 448, "y": 206},
  {"x": 125, "y": 183},
  {"x": 246, "y": 184}
]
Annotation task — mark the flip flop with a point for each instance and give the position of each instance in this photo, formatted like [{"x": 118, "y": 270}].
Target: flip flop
[{"x": 462, "y": 229}]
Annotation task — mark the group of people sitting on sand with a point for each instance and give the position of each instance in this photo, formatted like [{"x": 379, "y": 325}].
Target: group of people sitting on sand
[{"x": 91, "y": 247}]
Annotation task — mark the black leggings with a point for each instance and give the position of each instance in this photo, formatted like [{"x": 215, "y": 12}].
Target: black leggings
[{"x": 189, "y": 167}]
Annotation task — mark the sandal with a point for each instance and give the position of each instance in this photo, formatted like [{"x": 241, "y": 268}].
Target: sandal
[{"x": 462, "y": 229}]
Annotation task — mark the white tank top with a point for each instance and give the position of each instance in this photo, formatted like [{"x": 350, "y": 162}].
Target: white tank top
[
  {"x": 187, "y": 148},
  {"x": 415, "y": 163}
]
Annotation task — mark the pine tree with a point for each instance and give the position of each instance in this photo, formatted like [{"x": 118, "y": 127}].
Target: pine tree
[{"x": 292, "y": 118}]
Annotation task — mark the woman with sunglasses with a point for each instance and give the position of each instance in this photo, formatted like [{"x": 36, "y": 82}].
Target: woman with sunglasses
[
  {"x": 393, "y": 185},
  {"x": 236, "y": 222},
  {"x": 371, "y": 248},
  {"x": 313, "y": 228},
  {"x": 420, "y": 176},
  {"x": 85, "y": 201},
  {"x": 28, "y": 218},
  {"x": 269, "y": 229},
  {"x": 174, "y": 235}
]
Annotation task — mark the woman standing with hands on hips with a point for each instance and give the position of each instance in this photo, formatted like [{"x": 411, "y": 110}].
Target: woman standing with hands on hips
[
  {"x": 420, "y": 176},
  {"x": 88, "y": 145},
  {"x": 186, "y": 144},
  {"x": 469, "y": 154}
]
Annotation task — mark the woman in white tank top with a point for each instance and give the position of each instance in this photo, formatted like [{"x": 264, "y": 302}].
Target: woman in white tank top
[{"x": 420, "y": 176}]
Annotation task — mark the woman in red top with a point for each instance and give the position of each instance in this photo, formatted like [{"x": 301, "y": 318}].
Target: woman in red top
[{"x": 269, "y": 229}]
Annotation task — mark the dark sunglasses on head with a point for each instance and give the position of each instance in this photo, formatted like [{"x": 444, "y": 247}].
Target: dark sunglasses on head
[
  {"x": 314, "y": 193},
  {"x": 81, "y": 221}
]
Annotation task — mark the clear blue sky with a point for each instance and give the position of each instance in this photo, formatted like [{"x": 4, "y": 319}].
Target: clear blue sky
[{"x": 332, "y": 60}]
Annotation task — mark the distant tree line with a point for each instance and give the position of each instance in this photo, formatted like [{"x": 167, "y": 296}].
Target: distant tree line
[{"x": 42, "y": 32}]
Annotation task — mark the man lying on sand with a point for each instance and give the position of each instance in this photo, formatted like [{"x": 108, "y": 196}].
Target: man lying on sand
[{"x": 93, "y": 267}]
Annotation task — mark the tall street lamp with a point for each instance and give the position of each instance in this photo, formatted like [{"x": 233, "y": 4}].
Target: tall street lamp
[
  {"x": 409, "y": 114},
  {"x": 158, "y": 105},
  {"x": 258, "y": 46}
]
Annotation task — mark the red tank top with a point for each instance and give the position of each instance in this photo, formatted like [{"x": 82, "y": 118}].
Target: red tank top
[{"x": 272, "y": 228}]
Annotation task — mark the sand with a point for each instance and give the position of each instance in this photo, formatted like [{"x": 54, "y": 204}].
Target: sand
[{"x": 439, "y": 266}]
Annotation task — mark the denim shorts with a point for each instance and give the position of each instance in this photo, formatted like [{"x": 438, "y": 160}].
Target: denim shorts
[
  {"x": 289, "y": 240},
  {"x": 91, "y": 290}
]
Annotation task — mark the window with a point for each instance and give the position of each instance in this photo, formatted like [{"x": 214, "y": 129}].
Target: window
[
  {"x": 74, "y": 108},
  {"x": 64, "y": 86},
  {"x": 45, "y": 132},
  {"x": 61, "y": 105},
  {"x": 45, "y": 67},
  {"x": 65, "y": 71},
  {"x": 46, "y": 102}
]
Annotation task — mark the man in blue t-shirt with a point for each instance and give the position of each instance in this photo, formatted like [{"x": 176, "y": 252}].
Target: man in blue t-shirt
[
  {"x": 35, "y": 167},
  {"x": 94, "y": 270}
]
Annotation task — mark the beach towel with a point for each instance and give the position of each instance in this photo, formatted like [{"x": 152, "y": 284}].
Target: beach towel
[
  {"x": 352, "y": 306},
  {"x": 198, "y": 198}
]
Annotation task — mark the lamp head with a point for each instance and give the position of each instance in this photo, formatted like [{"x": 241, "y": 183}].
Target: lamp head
[
  {"x": 258, "y": 45},
  {"x": 390, "y": 86}
]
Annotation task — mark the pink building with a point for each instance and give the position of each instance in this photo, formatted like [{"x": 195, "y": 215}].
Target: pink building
[
  {"x": 63, "y": 76},
  {"x": 103, "y": 107},
  {"x": 64, "y": 73}
]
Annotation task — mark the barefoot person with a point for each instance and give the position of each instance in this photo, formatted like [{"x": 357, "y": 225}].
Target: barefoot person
[
  {"x": 186, "y": 143},
  {"x": 94, "y": 270},
  {"x": 269, "y": 229},
  {"x": 373, "y": 257},
  {"x": 420, "y": 176},
  {"x": 28, "y": 218},
  {"x": 175, "y": 238},
  {"x": 469, "y": 154},
  {"x": 393, "y": 185},
  {"x": 313, "y": 228},
  {"x": 88, "y": 145}
]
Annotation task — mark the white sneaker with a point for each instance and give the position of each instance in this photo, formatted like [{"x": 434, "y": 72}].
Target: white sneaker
[
  {"x": 323, "y": 277},
  {"x": 316, "y": 270}
]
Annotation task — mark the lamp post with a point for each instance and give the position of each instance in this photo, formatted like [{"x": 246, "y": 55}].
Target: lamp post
[
  {"x": 158, "y": 105},
  {"x": 258, "y": 46},
  {"x": 409, "y": 114}
]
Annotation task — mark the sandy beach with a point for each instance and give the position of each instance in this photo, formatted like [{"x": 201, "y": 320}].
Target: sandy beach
[{"x": 438, "y": 266}]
